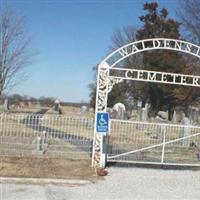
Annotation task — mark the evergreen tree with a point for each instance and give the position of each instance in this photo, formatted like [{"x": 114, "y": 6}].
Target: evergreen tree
[{"x": 156, "y": 24}]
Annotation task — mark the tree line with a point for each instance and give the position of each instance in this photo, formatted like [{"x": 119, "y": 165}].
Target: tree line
[{"x": 16, "y": 99}]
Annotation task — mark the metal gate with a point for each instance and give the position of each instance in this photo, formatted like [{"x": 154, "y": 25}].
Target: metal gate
[
  {"x": 144, "y": 146},
  {"x": 153, "y": 143}
]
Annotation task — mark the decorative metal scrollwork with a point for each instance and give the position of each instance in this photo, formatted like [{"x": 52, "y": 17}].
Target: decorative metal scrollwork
[
  {"x": 113, "y": 81},
  {"x": 102, "y": 90},
  {"x": 97, "y": 150}
]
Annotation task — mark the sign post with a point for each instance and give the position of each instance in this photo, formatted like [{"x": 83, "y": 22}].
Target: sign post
[{"x": 102, "y": 128}]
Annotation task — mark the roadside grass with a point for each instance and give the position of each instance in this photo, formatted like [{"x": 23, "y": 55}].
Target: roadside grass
[{"x": 45, "y": 167}]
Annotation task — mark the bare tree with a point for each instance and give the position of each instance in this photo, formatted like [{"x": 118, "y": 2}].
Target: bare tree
[
  {"x": 124, "y": 36},
  {"x": 14, "y": 53},
  {"x": 190, "y": 17},
  {"x": 129, "y": 90}
]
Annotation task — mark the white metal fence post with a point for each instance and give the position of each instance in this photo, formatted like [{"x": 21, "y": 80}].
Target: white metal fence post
[{"x": 163, "y": 146}]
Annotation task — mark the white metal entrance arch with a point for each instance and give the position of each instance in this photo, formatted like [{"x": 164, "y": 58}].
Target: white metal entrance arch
[{"x": 105, "y": 81}]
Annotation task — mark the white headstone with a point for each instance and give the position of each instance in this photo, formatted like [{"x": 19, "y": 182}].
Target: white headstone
[
  {"x": 185, "y": 131},
  {"x": 160, "y": 128},
  {"x": 83, "y": 109},
  {"x": 119, "y": 105},
  {"x": 120, "y": 110},
  {"x": 163, "y": 114},
  {"x": 6, "y": 104},
  {"x": 139, "y": 104},
  {"x": 174, "y": 118},
  {"x": 144, "y": 113},
  {"x": 57, "y": 105}
]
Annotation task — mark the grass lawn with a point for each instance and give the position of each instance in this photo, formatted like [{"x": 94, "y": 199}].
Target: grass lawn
[{"x": 41, "y": 167}]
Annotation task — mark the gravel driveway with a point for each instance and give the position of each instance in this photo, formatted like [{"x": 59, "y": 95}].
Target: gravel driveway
[{"x": 121, "y": 183}]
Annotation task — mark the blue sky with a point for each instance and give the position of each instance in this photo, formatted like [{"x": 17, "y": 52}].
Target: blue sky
[{"x": 70, "y": 38}]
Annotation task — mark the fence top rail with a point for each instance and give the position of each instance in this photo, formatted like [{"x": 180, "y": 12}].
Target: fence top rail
[
  {"x": 30, "y": 115},
  {"x": 154, "y": 124}
]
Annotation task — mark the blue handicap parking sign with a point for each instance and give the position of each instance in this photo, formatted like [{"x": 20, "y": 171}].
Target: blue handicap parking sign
[{"x": 102, "y": 121}]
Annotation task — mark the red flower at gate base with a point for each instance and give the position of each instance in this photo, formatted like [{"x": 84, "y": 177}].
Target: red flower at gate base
[{"x": 101, "y": 172}]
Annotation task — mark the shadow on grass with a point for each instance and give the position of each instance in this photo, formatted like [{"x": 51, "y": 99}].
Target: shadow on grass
[{"x": 82, "y": 143}]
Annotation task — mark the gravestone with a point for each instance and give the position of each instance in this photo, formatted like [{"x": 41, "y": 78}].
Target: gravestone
[
  {"x": 185, "y": 131},
  {"x": 160, "y": 128},
  {"x": 193, "y": 114},
  {"x": 57, "y": 105},
  {"x": 43, "y": 141},
  {"x": 119, "y": 111},
  {"x": 144, "y": 113},
  {"x": 6, "y": 104},
  {"x": 83, "y": 110},
  {"x": 40, "y": 144},
  {"x": 163, "y": 114},
  {"x": 174, "y": 117},
  {"x": 139, "y": 104}
]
